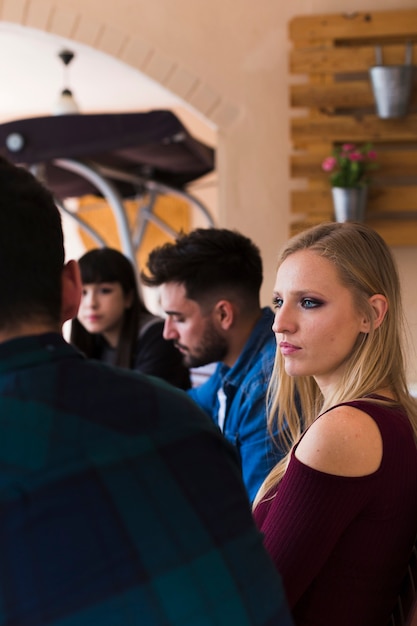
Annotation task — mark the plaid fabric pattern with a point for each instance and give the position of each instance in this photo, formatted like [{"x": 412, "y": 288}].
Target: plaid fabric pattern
[{"x": 120, "y": 502}]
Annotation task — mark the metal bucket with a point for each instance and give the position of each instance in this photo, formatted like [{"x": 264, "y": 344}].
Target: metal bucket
[
  {"x": 349, "y": 203},
  {"x": 392, "y": 85}
]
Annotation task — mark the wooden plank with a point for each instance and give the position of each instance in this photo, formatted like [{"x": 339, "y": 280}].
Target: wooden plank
[
  {"x": 398, "y": 163},
  {"x": 345, "y": 59},
  {"x": 346, "y": 95},
  {"x": 336, "y": 95},
  {"x": 395, "y": 233},
  {"x": 305, "y": 130},
  {"x": 312, "y": 201},
  {"x": 300, "y": 225},
  {"x": 380, "y": 200},
  {"x": 357, "y": 25}
]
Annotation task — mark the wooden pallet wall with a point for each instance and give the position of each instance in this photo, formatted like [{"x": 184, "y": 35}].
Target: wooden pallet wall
[{"x": 332, "y": 103}]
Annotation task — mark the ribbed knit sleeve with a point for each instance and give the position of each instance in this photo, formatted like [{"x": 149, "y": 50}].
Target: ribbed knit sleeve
[{"x": 306, "y": 518}]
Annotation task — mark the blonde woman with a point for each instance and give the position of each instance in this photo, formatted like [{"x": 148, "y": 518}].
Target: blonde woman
[{"x": 339, "y": 513}]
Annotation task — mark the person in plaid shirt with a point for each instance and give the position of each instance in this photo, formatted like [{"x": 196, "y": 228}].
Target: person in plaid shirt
[{"x": 120, "y": 501}]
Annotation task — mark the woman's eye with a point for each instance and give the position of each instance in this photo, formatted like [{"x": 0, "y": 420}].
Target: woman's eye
[
  {"x": 309, "y": 303},
  {"x": 277, "y": 303}
]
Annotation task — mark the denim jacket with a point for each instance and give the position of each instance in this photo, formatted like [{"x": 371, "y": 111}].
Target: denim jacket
[{"x": 245, "y": 386}]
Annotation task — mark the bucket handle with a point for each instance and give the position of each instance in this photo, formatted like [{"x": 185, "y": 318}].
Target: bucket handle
[{"x": 408, "y": 54}]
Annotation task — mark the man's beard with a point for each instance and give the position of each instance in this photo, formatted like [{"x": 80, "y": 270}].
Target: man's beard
[{"x": 212, "y": 348}]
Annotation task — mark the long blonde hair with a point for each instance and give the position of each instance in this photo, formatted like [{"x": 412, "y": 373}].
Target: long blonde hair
[{"x": 365, "y": 265}]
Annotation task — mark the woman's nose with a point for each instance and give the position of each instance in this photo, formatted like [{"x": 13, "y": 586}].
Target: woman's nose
[
  {"x": 89, "y": 299},
  {"x": 284, "y": 321},
  {"x": 275, "y": 323}
]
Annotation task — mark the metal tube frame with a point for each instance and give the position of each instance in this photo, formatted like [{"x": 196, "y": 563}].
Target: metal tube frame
[{"x": 100, "y": 177}]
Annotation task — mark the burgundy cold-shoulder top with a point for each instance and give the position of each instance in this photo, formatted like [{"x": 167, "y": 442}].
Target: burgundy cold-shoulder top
[{"x": 341, "y": 544}]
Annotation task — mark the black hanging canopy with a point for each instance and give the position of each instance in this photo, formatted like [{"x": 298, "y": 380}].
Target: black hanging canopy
[
  {"x": 150, "y": 146},
  {"x": 114, "y": 155}
]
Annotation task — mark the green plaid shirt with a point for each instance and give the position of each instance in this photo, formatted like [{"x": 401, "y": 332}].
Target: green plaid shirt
[{"x": 120, "y": 502}]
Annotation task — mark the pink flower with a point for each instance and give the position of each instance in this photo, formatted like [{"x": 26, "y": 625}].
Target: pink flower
[
  {"x": 329, "y": 164},
  {"x": 355, "y": 156},
  {"x": 350, "y": 165}
]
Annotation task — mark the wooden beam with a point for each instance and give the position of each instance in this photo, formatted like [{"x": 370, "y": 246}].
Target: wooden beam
[
  {"x": 345, "y": 128},
  {"x": 396, "y": 163},
  {"x": 346, "y": 95},
  {"x": 392, "y": 200},
  {"x": 356, "y": 25},
  {"x": 345, "y": 59}
]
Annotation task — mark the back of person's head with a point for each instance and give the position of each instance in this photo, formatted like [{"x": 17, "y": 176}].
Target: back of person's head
[
  {"x": 210, "y": 263},
  {"x": 107, "y": 265},
  {"x": 31, "y": 250}
]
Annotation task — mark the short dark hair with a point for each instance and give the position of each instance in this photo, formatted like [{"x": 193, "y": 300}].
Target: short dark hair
[
  {"x": 31, "y": 249},
  {"x": 208, "y": 262},
  {"x": 107, "y": 265}
]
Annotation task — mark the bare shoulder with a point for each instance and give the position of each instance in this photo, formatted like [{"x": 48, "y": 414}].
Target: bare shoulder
[{"x": 344, "y": 441}]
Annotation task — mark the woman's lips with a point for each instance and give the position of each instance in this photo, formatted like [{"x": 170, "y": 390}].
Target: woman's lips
[
  {"x": 288, "y": 348},
  {"x": 92, "y": 318}
]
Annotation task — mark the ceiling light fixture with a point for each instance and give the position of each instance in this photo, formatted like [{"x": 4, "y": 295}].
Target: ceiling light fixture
[{"x": 66, "y": 104}]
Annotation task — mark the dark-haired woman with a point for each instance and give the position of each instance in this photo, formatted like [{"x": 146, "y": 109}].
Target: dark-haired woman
[{"x": 113, "y": 325}]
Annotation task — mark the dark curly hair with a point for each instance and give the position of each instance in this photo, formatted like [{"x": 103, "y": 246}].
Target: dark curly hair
[{"x": 209, "y": 262}]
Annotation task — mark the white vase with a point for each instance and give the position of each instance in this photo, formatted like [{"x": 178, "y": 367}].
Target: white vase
[{"x": 349, "y": 203}]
